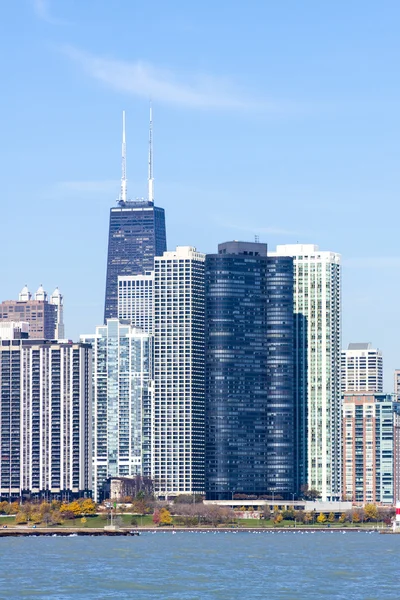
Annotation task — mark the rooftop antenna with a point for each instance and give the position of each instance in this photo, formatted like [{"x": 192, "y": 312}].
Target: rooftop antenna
[
  {"x": 151, "y": 179},
  {"x": 123, "y": 175}
]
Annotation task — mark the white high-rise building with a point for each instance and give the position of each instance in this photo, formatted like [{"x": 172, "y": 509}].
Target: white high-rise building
[
  {"x": 122, "y": 402},
  {"x": 317, "y": 307},
  {"x": 361, "y": 369},
  {"x": 179, "y": 362},
  {"x": 135, "y": 300},
  {"x": 46, "y": 419}
]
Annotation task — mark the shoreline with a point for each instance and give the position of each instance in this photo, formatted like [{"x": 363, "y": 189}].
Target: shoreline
[{"x": 136, "y": 531}]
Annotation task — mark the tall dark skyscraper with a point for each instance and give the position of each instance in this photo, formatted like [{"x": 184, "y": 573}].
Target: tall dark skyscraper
[
  {"x": 249, "y": 372},
  {"x": 136, "y": 234}
]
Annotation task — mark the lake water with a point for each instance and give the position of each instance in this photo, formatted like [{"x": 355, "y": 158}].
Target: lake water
[{"x": 201, "y": 566}]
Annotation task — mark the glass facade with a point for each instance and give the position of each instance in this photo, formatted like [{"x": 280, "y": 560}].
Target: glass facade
[
  {"x": 317, "y": 307},
  {"x": 136, "y": 235},
  {"x": 249, "y": 372},
  {"x": 122, "y": 401},
  {"x": 280, "y": 377}
]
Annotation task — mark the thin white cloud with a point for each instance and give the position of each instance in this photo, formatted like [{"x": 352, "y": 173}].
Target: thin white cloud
[
  {"x": 372, "y": 262},
  {"x": 142, "y": 79}
]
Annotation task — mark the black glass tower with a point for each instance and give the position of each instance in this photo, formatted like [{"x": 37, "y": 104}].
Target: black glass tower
[
  {"x": 249, "y": 372},
  {"x": 137, "y": 234}
]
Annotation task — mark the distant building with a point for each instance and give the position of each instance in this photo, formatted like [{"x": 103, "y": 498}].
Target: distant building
[
  {"x": 57, "y": 300},
  {"x": 135, "y": 300},
  {"x": 179, "y": 360},
  {"x": 317, "y": 308},
  {"x": 122, "y": 402},
  {"x": 45, "y": 316},
  {"x": 136, "y": 233},
  {"x": 370, "y": 447},
  {"x": 14, "y": 330},
  {"x": 249, "y": 372},
  {"x": 46, "y": 419},
  {"x": 397, "y": 383},
  {"x": 361, "y": 369}
]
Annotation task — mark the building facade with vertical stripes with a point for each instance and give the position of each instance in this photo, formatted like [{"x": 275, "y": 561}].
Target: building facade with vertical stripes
[
  {"x": 317, "y": 308},
  {"x": 370, "y": 447},
  {"x": 179, "y": 348},
  {"x": 45, "y": 419}
]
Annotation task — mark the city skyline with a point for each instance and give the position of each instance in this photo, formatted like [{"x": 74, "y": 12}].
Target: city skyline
[{"x": 324, "y": 148}]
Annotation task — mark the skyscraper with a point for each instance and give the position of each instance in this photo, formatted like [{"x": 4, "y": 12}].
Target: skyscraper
[
  {"x": 136, "y": 234},
  {"x": 370, "y": 448},
  {"x": 249, "y": 372},
  {"x": 178, "y": 441},
  {"x": 122, "y": 402},
  {"x": 282, "y": 457},
  {"x": 46, "y": 419},
  {"x": 45, "y": 317},
  {"x": 317, "y": 307},
  {"x": 361, "y": 369}
]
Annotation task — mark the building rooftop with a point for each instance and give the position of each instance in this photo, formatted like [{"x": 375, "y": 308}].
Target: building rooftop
[{"x": 360, "y": 346}]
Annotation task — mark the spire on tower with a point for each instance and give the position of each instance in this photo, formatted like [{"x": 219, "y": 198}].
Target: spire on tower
[
  {"x": 122, "y": 198},
  {"x": 150, "y": 177}
]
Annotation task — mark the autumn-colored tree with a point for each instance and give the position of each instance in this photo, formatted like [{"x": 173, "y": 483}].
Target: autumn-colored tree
[
  {"x": 55, "y": 504},
  {"x": 156, "y": 517},
  {"x": 331, "y": 517},
  {"x": 21, "y": 518},
  {"x": 355, "y": 517},
  {"x": 56, "y": 517},
  {"x": 342, "y": 518},
  {"x": 165, "y": 517},
  {"x": 140, "y": 507},
  {"x": 14, "y": 508},
  {"x": 88, "y": 507},
  {"x": 36, "y": 517},
  {"x": 308, "y": 517},
  {"x": 3, "y": 508},
  {"x": 370, "y": 512},
  {"x": 278, "y": 518},
  {"x": 83, "y": 520},
  {"x": 45, "y": 508},
  {"x": 321, "y": 518},
  {"x": 73, "y": 508}
]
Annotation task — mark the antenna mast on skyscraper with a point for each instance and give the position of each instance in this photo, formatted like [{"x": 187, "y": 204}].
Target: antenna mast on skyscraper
[
  {"x": 123, "y": 176},
  {"x": 151, "y": 180}
]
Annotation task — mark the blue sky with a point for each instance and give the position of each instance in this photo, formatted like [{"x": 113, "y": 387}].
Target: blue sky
[{"x": 279, "y": 119}]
